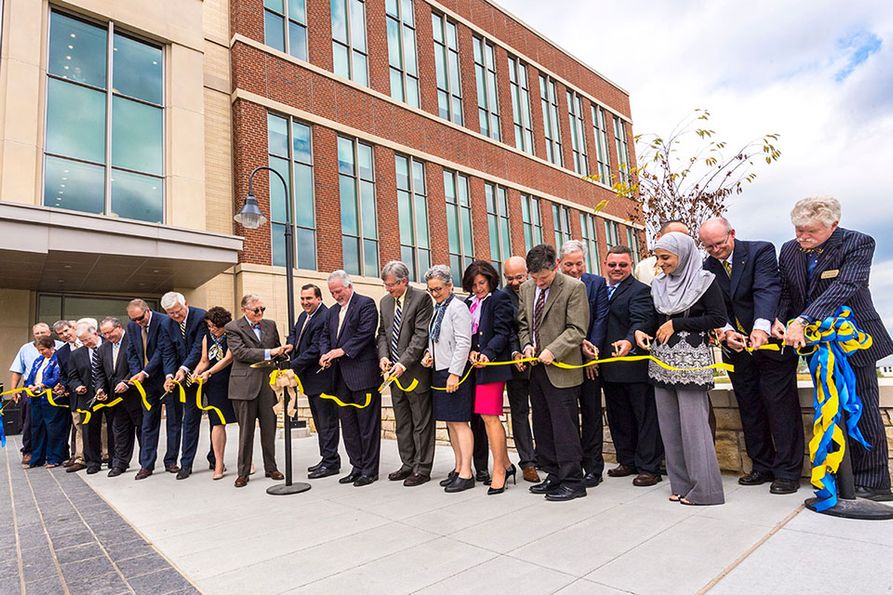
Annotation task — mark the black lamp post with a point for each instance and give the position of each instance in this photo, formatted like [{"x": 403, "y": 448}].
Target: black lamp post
[{"x": 251, "y": 217}]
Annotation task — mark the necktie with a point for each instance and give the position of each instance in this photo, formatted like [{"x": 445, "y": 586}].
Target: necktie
[
  {"x": 538, "y": 317},
  {"x": 341, "y": 313},
  {"x": 395, "y": 329},
  {"x": 94, "y": 365},
  {"x": 183, "y": 328},
  {"x": 728, "y": 267},
  {"x": 188, "y": 381},
  {"x": 303, "y": 328},
  {"x": 475, "y": 321},
  {"x": 145, "y": 336},
  {"x": 611, "y": 289},
  {"x": 115, "y": 348}
]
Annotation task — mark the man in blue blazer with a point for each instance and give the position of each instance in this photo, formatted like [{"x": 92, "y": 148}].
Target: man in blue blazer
[
  {"x": 151, "y": 358},
  {"x": 187, "y": 330},
  {"x": 824, "y": 268},
  {"x": 765, "y": 382},
  {"x": 306, "y": 337},
  {"x": 573, "y": 264},
  {"x": 349, "y": 348}
]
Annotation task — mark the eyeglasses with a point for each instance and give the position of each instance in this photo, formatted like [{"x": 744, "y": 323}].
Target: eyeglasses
[
  {"x": 717, "y": 245},
  {"x": 617, "y": 265},
  {"x": 433, "y": 290},
  {"x": 510, "y": 278},
  {"x": 393, "y": 285},
  {"x": 258, "y": 310},
  {"x": 139, "y": 318}
]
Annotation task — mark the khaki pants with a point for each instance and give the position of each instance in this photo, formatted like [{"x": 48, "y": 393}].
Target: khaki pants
[{"x": 77, "y": 438}]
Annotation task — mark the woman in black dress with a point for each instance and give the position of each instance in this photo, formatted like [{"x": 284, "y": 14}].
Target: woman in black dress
[{"x": 214, "y": 370}]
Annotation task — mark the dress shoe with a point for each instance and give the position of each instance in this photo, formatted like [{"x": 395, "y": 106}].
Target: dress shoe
[
  {"x": 323, "y": 471},
  {"x": 416, "y": 479},
  {"x": 171, "y": 468},
  {"x": 241, "y": 481},
  {"x": 364, "y": 480},
  {"x": 92, "y": 470},
  {"x": 68, "y": 462},
  {"x": 26, "y": 458},
  {"x": 483, "y": 477},
  {"x": 755, "y": 478},
  {"x": 591, "y": 480},
  {"x": 74, "y": 467},
  {"x": 876, "y": 494},
  {"x": 275, "y": 475},
  {"x": 105, "y": 460},
  {"x": 184, "y": 473},
  {"x": 313, "y": 468},
  {"x": 544, "y": 487},
  {"x": 565, "y": 493},
  {"x": 646, "y": 479},
  {"x": 784, "y": 486},
  {"x": 143, "y": 473},
  {"x": 350, "y": 478},
  {"x": 399, "y": 474},
  {"x": 115, "y": 472},
  {"x": 622, "y": 471},
  {"x": 530, "y": 473},
  {"x": 449, "y": 478},
  {"x": 459, "y": 485}
]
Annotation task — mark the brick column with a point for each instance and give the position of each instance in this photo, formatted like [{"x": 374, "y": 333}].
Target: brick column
[
  {"x": 565, "y": 126},
  {"x": 377, "y": 43},
  {"x": 536, "y": 112},
  {"x": 466, "y": 72},
  {"x": 548, "y": 223},
  {"x": 246, "y": 17},
  {"x": 319, "y": 33},
  {"x": 479, "y": 228},
  {"x": 328, "y": 205},
  {"x": 425, "y": 46},
  {"x": 250, "y": 151},
  {"x": 504, "y": 95},
  {"x": 516, "y": 222},
  {"x": 386, "y": 201},
  {"x": 440, "y": 242}
]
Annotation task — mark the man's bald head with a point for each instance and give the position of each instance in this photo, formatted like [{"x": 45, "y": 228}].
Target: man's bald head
[
  {"x": 670, "y": 227},
  {"x": 514, "y": 269},
  {"x": 717, "y": 237}
]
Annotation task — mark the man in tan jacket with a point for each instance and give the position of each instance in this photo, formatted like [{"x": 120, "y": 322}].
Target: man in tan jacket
[{"x": 553, "y": 317}]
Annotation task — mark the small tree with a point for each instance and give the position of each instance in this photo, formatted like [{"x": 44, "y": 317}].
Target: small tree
[{"x": 668, "y": 185}]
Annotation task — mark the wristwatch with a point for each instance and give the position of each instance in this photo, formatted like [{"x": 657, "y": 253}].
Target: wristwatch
[{"x": 803, "y": 321}]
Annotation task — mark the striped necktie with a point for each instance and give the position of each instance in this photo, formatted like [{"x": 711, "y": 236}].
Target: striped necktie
[
  {"x": 611, "y": 289},
  {"x": 728, "y": 267},
  {"x": 94, "y": 365},
  {"x": 395, "y": 329},
  {"x": 538, "y": 308}
]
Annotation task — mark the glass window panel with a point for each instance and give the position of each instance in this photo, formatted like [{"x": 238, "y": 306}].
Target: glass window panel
[
  {"x": 73, "y": 185},
  {"x": 454, "y": 74},
  {"x": 301, "y": 143},
  {"x": 494, "y": 236},
  {"x": 412, "y": 92},
  {"x": 404, "y": 209},
  {"x": 367, "y": 204},
  {"x": 456, "y": 270},
  {"x": 467, "y": 245},
  {"x": 350, "y": 249},
  {"x": 421, "y": 222},
  {"x": 347, "y": 192},
  {"x": 452, "y": 227},
  {"x": 75, "y": 121},
  {"x": 409, "y": 51},
  {"x": 449, "y": 187},
  {"x": 418, "y": 177},
  {"x": 358, "y": 25},
  {"x": 440, "y": 62},
  {"x": 396, "y": 84},
  {"x": 137, "y": 136},
  {"x": 339, "y": 20},
  {"x": 390, "y": 7},
  {"x": 341, "y": 60},
  {"x": 297, "y": 10},
  {"x": 457, "y": 110},
  {"x": 297, "y": 40},
  {"x": 277, "y": 245},
  {"x": 437, "y": 27},
  {"x": 407, "y": 13},
  {"x": 452, "y": 37},
  {"x": 277, "y": 135},
  {"x": 273, "y": 5},
  {"x": 370, "y": 258},
  {"x": 463, "y": 191},
  {"x": 402, "y": 172},
  {"x": 306, "y": 249},
  {"x": 277, "y": 192},
  {"x": 345, "y": 156},
  {"x": 137, "y": 70},
  {"x": 360, "y": 74},
  {"x": 394, "y": 53},
  {"x": 424, "y": 262},
  {"x": 78, "y": 50},
  {"x": 304, "y": 207},
  {"x": 406, "y": 257},
  {"x": 274, "y": 31},
  {"x": 365, "y": 154},
  {"x": 136, "y": 196}
]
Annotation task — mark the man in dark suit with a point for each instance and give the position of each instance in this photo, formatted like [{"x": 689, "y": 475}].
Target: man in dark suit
[
  {"x": 629, "y": 397},
  {"x": 592, "y": 433},
  {"x": 305, "y": 338},
  {"x": 150, "y": 356},
  {"x": 111, "y": 376},
  {"x": 251, "y": 339},
  {"x": 83, "y": 374},
  {"x": 765, "y": 382},
  {"x": 188, "y": 330},
  {"x": 514, "y": 270},
  {"x": 67, "y": 332},
  {"x": 349, "y": 348},
  {"x": 824, "y": 268},
  {"x": 402, "y": 341}
]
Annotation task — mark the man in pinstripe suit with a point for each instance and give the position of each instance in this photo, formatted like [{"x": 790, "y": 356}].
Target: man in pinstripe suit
[{"x": 824, "y": 268}]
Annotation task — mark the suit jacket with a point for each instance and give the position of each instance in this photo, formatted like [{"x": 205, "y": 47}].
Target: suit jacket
[
  {"x": 359, "y": 364},
  {"x": 81, "y": 374},
  {"x": 563, "y": 327},
  {"x": 188, "y": 349},
  {"x": 63, "y": 355},
  {"x": 454, "y": 343},
  {"x": 160, "y": 353},
  {"x": 247, "y": 383},
  {"x": 514, "y": 344},
  {"x": 845, "y": 262},
  {"x": 597, "y": 294},
  {"x": 110, "y": 373},
  {"x": 494, "y": 336},
  {"x": 630, "y": 309},
  {"x": 755, "y": 287},
  {"x": 413, "y": 338},
  {"x": 306, "y": 353}
]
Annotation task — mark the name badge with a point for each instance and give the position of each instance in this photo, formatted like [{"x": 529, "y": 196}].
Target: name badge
[{"x": 830, "y": 274}]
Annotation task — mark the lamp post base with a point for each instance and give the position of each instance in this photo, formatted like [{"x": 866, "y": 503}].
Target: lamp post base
[
  {"x": 858, "y": 508},
  {"x": 295, "y": 488}
]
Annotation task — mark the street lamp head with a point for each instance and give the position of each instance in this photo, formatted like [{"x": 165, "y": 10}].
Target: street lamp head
[{"x": 250, "y": 216}]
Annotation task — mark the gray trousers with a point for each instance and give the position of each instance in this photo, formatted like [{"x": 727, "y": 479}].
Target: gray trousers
[
  {"x": 415, "y": 429},
  {"x": 248, "y": 414},
  {"x": 688, "y": 445}
]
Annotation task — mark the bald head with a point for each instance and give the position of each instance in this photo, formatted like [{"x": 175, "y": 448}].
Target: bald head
[
  {"x": 717, "y": 237},
  {"x": 672, "y": 226},
  {"x": 515, "y": 272}
]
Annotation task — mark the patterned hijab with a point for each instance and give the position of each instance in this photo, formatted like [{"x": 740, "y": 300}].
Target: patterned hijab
[{"x": 679, "y": 290}]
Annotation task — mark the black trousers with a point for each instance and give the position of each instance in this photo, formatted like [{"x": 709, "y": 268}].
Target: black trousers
[
  {"x": 870, "y": 466},
  {"x": 556, "y": 428},
  {"x": 92, "y": 436},
  {"x": 592, "y": 431},
  {"x": 325, "y": 418},
  {"x": 632, "y": 417},
  {"x": 191, "y": 428},
  {"x": 361, "y": 428},
  {"x": 765, "y": 386},
  {"x": 152, "y": 427},
  {"x": 518, "y": 389},
  {"x": 127, "y": 422}
]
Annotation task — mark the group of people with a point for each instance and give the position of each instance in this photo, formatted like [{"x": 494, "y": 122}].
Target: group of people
[{"x": 453, "y": 359}]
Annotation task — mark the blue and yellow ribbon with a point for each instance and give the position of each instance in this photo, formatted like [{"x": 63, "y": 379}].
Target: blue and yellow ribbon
[{"x": 275, "y": 374}]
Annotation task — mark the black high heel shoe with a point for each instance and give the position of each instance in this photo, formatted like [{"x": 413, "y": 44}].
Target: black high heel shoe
[
  {"x": 510, "y": 472},
  {"x": 449, "y": 478}
]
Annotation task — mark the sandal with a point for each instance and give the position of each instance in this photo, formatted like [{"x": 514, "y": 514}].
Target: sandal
[
  {"x": 675, "y": 498},
  {"x": 52, "y": 465},
  {"x": 685, "y": 502}
]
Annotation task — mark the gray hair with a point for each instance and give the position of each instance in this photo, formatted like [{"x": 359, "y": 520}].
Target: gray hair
[
  {"x": 340, "y": 275},
  {"x": 249, "y": 298},
  {"x": 89, "y": 321},
  {"x": 572, "y": 246},
  {"x": 721, "y": 220},
  {"x": 40, "y": 325},
  {"x": 113, "y": 321},
  {"x": 816, "y": 209},
  {"x": 61, "y": 324},
  {"x": 85, "y": 328},
  {"x": 171, "y": 299},
  {"x": 396, "y": 268},
  {"x": 138, "y": 303},
  {"x": 439, "y": 271}
]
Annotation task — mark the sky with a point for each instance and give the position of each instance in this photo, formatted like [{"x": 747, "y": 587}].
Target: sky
[{"x": 819, "y": 73}]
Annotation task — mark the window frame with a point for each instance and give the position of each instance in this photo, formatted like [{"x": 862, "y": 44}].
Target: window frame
[
  {"x": 286, "y": 20},
  {"x": 612, "y": 234},
  {"x": 532, "y": 224},
  {"x": 551, "y": 120},
  {"x": 465, "y": 255},
  {"x": 496, "y": 196},
  {"x": 522, "y": 120},
  {"x": 632, "y": 240},
  {"x": 589, "y": 235},
  {"x": 622, "y": 147},
  {"x": 580, "y": 156},
  {"x": 362, "y": 266},
  {"x": 348, "y": 44},
  {"x": 483, "y": 48},
  {"x": 413, "y": 192},
  {"x": 561, "y": 221},
  {"x": 443, "y": 47},
  {"x": 600, "y": 133},
  {"x": 406, "y": 79}
]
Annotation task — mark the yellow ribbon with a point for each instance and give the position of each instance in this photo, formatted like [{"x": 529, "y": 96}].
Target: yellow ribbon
[
  {"x": 275, "y": 374},
  {"x": 142, "y": 392},
  {"x": 48, "y": 393},
  {"x": 407, "y": 389}
]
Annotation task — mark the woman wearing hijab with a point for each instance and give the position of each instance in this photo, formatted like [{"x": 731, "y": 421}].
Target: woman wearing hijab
[{"x": 690, "y": 304}]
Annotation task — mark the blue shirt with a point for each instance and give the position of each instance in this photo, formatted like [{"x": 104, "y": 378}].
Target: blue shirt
[{"x": 26, "y": 357}]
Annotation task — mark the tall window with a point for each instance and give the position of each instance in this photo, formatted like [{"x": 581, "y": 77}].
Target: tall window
[
  {"x": 520, "y": 105},
  {"x": 402, "y": 51},
  {"x": 498, "y": 224},
  {"x": 349, "y": 40},
  {"x": 285, "y": 26},
  {"x": 104, "y": 149},
  {"x": 632, "y": 240},
  {"x": 291, "y": 155},
  {"x": 622, "y": 151},
  {"x": 531, "y": 221},
  {"x": 561, "y": 216},
  {"x": 590, "y": 239},
  {"x": 549, "y": 100},
  {"x": 412, "y": 205},
  {"x": 458, "y": 212},
  {"x": 600, "y": 131},
  {"x": 359, "y": 232},
  {"x": 446, "y": 60},
  {"x": 612, "y": 234},
  {"x": 578, "y": 138},
  {"x": 485, "y": 75}
]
